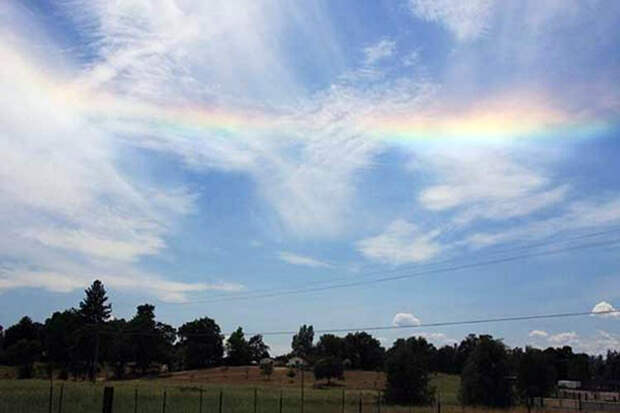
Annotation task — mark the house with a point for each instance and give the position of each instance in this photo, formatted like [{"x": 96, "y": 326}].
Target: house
[{"x": 296, "y": 362}]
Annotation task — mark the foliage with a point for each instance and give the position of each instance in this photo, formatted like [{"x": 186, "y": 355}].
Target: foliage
[
  {"x": 302, "y": 341},
  {"x": 258, "y": 349},
  {"x": 266, "y": 367},
  {"x": 328, "y": 368},
  {"x": 407, "y": 369},
  {"x": 23, "y": 354},
  {"x": 237, "y": 349},
  {"x": 536, "y": 376},
  {"x": 93, "y": 308},
  {"x": 364, "y": 351},
  {"x": 484, "y": 380},
  {"x": 202, "y": 343}
]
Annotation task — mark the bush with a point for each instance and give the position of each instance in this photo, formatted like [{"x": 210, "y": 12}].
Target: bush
[{"x": 328, "y": 368}]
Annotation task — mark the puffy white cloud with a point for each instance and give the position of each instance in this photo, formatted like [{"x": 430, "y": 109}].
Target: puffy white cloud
[
  {"x": 405, "y": 320},
  {"x": 538, "y": 333},
  {"x": 466, "y": 19},
  {"x": 297, "y": 259},
  {"x": 401, "y": 242},
  {"x": 607, "y": 310}
]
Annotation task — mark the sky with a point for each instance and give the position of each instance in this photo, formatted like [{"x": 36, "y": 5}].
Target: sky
[{"x": 238, "y": 160}]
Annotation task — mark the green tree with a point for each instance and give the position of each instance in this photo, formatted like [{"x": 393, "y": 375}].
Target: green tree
[
  {"x": 364, "y": 351},
  {"x": 152, "y": 340},
  {"x": 266, "y": 367},
  {"x": 302, "y": 343},
  {"x": 536, "y": 376},
  {"x": 23, "y": 354},
  {"x": 95, "y": 312},
  {"x": 330, "y": 345},
  {"x": 201, "y": 342},
  {"x": 484, "y": 380},
  {"x": 407, "y": 368},
  {"x": 238, "y": 349},
  {"x": 63, "y": 333},
  {"x": 258, "y": 349},
  {"x": 328, "y": 368}
]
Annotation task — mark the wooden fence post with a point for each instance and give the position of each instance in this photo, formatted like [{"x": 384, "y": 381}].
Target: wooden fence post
[
  {"x": 200, "y": 408},
  {"x": 51, "y": 401},
  {"x": 221, "y": 401},
  {"x": 378, "y": 401},
  {"x": 255, "y": 400},
  {"x": 62, "y": 391},
  {"x": 163, "y": 405},
  {"x": 108, "y": 399},
  {"x": 360, "y": 404},
  {"x": 343, "y": 401},
  {"x": 280, "y": 400},
  {"x": 135, "y": 400}
]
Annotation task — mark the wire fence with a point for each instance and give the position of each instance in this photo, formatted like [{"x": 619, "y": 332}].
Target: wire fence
[{"x": 144, "y": 398}]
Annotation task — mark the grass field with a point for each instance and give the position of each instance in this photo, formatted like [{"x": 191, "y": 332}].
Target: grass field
[{"x": 237, "y": 385}]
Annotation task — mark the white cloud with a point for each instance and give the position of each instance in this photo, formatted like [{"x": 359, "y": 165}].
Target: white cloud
[
  {"x": 297, "y": 259},
  {"x": 405, "y": 320},
  {"x": 378, "y": 51},
  {"x": 401, "y": 242},
  {"x": 564, "y": 339},
  {"x": 538, "y": 333},
  {"x": 466, "y": 19},
  {"x": 487, "y": 184},
  {"x": 608, "y": 310}
]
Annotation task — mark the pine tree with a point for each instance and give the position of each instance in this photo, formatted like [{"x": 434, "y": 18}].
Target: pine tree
[
  {"x": 95, "y": 312},
  {"x": 93, "y": 308}
]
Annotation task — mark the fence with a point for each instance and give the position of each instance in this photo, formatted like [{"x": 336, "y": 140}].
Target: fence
[{"x": 576, "y": 404}]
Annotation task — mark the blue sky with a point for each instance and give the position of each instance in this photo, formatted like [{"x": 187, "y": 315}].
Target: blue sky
[{"x": 188, "y": 153}]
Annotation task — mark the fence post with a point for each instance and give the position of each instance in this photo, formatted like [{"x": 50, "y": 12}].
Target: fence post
[
  {"x": 280, "y": 400},
  {"x": 221, "y": 400},
  {"x": 255, "y": 399},
  {"x": 439, "y": 403},
  {"x": 163, "y": 405},
  {"x": 200, "y": 407},
  {"x": 108, "y": 398},
  {"x": 360, "y": 404},
  {"x": 343, "y": 400},
  {"x": 51, "y": 402},
  {"x": 378, "y": 401},
  {"x": 302, "y": 389},
  {"x": 62, "y": 391},
  {"x": 135, "y": 400}
]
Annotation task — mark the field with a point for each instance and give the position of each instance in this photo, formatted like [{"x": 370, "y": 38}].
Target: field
[{"x": 237, "y": 385}]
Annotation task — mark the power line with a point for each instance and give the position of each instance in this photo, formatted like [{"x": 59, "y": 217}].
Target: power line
[
  {"x": 251, "y": 294},
  {"x": 421, "y": 325},
  {"x": 406, "y": 276}
]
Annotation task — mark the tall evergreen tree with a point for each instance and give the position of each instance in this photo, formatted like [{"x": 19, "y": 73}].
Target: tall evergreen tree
[{"x": 95, "y": 312}]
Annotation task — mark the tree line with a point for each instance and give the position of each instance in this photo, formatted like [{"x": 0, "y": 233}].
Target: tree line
[{"x": 76, "y": 342}]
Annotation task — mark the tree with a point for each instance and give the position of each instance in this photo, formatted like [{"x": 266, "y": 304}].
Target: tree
[
  {"x": 536, "y": 375},
  {"x": 328, "y": 368},
  {"x": 484, "y": 380},
  {"x": 364, "y": 351},
  {"x": 407, "y": 367},
  {"x": 152, "y": 340},
  {"x": 63, "y": 334},
  {"x": 258, "y": 349},
  {"x": 238, "y": 349},
  {"x": 25, "y": 329},
  {"x": 266, "y": 367},
  {"x": 95, "y": 312},
  {"x": 201, "y": 343},
  {"x": 302, "y": 344},
  {"x": 330, "y": 345},
  {"x": 23, "y": 354}
]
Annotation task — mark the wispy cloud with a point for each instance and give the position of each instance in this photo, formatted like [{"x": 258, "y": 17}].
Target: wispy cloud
[
  {"x": 538, "y": 333},
  {"x": 466, "y": 19},
  {"x": 378, "y": 51},
  {"x": 302, "y": 260},
  {"x": 401, "y": 242}
]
